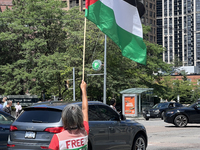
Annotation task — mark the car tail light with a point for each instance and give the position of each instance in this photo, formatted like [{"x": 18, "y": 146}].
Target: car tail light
[
  {"x": 44, "y": 147},
  {"x": 10, "y": 145},
  {"x": 54, "y": 129},
  {"x": 13, "y": 128}
]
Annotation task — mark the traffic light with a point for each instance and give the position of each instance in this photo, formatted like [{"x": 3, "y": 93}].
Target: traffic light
[{"x": 67, "y": 85}]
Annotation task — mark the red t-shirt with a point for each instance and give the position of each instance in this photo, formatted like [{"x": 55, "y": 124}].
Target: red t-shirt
[{"x": 68, "y": 139}]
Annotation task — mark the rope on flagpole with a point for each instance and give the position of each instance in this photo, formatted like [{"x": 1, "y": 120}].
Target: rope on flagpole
[{"x": 84, "y": 50}]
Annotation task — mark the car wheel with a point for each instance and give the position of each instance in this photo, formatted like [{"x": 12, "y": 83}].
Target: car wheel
[
  {"x": 146, "y": 118},
  {"x": 162, "y": 115},
  {"x": 180, "y": 121},
  {"x": 139, "y": 143}
]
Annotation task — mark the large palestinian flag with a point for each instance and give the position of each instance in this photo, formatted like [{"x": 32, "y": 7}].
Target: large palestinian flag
[{"x": 119, "y": 20}]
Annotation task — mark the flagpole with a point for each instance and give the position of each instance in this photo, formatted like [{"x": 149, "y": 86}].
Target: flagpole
[
  {"x": 104, "y": 87},
  {"x": 84, "y": 50}
]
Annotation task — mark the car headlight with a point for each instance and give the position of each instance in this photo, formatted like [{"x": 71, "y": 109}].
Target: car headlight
[{"x": 157, "y": 111}]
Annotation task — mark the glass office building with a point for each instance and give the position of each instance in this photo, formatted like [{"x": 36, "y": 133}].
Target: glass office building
[{"x": 178, "y": 30}]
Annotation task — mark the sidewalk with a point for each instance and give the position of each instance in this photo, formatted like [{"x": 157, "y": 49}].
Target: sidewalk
[{"x": 135, "y": 117}]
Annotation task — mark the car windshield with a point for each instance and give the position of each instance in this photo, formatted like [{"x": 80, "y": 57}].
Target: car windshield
[
  {"x": 160, "y": 105},
  {"x": 192, "y": 105},
  {"x": 34, "y": 116},
  {"x": 6, "y": 119}
]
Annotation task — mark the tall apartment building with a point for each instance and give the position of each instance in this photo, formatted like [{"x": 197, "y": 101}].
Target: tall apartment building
[
  {"x": 178, "y": 30},
  {"x": 149, "y": 19}
]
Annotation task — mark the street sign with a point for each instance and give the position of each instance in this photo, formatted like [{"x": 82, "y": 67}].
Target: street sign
[{"x": 96, "y": 65}]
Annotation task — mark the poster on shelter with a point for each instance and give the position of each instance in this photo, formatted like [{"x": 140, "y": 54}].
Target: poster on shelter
[{"x": 129, "y": 103}]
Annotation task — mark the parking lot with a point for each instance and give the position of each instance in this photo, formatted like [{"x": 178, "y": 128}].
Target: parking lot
[{"x": 164, "y": 136}]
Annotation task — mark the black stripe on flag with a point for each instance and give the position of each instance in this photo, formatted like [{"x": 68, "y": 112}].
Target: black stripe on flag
[{"x": 139, "y": 5}]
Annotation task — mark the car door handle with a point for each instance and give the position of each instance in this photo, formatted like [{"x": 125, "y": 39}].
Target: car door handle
[
  {"x": 111, "y": 128},
  {"x": 101, "y": 131}
]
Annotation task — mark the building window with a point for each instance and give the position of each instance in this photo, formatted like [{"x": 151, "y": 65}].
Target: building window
[
  {"x": 198, "y": 21},
  {"x": 150, "y": 14},
  {"x": 198, "y": 5},
  {"x": 165, "y": 7},
  {"x": 170, "y": 8},
  {"x": 150, "y": 5},
  {"x": 151, "y": 21}
]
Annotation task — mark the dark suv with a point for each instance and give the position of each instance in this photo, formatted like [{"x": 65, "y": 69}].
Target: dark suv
[
  {"x": 34, "y": 128},
  {"x": 158, "y": 110}
]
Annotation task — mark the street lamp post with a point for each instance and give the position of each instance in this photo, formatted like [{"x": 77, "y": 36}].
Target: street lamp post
[{"x": 178, "y": 98}]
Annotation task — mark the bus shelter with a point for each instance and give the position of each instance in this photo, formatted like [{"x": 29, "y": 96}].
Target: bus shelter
[{"x": 131, "y": 100}]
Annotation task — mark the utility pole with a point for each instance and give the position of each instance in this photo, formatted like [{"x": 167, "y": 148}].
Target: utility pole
[
  {"x": 104, "y": 87},
  {"x": 74, "y": 99},
  {"x": 80, "y": 5},
  {"x": 73, "y": 88}
]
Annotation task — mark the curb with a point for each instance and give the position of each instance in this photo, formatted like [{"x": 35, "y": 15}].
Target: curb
[{"x": 135, "y": 118}]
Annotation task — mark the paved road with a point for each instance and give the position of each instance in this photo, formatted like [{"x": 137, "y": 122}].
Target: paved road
[{"x": 164, "y": 136}]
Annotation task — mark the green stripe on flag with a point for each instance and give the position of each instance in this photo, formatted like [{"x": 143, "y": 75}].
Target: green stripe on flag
[
  {"x": 131, "y": 45},
  {"x": 80, "y": 148}
]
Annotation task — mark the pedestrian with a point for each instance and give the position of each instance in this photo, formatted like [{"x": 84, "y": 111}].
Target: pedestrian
[
  {"x": 1, "y": 106},
  {"x": 18, "y": 109},
  {"x": 113, "y": 104},
  {"x": 7, "y": 108},
  {"x": 75, "y": 124},
  {"x": 4, "y": 102}
]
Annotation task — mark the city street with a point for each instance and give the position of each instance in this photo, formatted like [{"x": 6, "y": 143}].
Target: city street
[{"x": 164, "y": 136}]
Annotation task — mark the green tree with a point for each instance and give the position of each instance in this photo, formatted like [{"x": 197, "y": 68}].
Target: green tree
[
  {"x": 167, "y": 88},
  {"x": 187, "y": 91},
  {"x": 32, "y": 36},
  {"x": 195, "y": 93},
  {"x": 177, "y": 62},
  {"x": 184, "y": 90},
  {"x": 41, "y": 45},
  {"x": 184, "y": 76}
]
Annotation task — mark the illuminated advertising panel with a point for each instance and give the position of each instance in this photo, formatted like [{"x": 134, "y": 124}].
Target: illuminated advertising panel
[{"x": 130, "y": 105}]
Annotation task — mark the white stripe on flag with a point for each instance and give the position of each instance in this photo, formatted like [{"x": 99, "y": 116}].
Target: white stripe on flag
[{"x": 126, "y": 16}]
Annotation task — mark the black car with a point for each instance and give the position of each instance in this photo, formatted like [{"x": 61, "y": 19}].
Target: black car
[
  {"x": 36, "y": 125},
  {"x": 158, "y": 110},
  {"x": 180, "y": 117},
  {"x": 5, "y": 121}
]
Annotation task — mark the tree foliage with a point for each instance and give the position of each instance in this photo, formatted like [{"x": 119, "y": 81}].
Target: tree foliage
[
  {"x": 41, "y": 43},
  {"x": 187, "y": 91},
  {"x": 32, "y": 46}
]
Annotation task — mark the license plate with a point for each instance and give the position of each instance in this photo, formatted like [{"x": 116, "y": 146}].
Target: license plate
[
  {"x": 148, "y": 115},
  {"x": 30, "y": 135}
]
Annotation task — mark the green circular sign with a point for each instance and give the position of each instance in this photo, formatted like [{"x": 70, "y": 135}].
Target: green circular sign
[{"x": 96, "y": 65}]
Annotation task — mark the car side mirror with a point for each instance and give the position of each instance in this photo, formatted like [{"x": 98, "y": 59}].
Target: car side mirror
[
  {"x": 123, "y": 117},
  {"x": 195, "y": 107}
]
